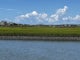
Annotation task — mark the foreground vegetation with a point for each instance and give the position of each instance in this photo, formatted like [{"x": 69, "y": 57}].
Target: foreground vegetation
[{"x": 39, "y": 31}]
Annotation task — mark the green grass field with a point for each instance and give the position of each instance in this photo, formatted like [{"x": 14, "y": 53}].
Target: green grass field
[{"x": 39, "y": 31}]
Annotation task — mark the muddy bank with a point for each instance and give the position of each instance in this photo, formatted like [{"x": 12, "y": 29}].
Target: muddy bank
[{"x": 39, "y": 38}]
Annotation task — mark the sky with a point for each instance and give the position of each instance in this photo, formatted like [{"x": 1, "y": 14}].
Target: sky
[{"x": 40, "y": 11}]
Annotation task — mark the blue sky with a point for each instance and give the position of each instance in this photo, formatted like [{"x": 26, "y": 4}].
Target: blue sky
[{"x": 40, "y": 11}]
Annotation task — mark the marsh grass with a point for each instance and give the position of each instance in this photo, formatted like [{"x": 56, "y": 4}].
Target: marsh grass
[{"x": 39, "y": 31}]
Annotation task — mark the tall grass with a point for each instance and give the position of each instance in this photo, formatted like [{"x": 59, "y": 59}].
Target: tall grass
[{"x": 39, "y": 31}]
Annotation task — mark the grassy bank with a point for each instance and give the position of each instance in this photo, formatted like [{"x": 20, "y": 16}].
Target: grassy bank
[{"x": 39, "y": 31}]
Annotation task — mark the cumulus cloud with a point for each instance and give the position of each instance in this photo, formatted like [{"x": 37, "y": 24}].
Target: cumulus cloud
[
  {"x": 33, "y": 15},
  {"x": 42, "y": 17},
  {"x": 77, "y": 17},
  {"x": 60, "y": 12},
  {"x": 36, "y": 17},
  {"x": 28, "y": 15}
]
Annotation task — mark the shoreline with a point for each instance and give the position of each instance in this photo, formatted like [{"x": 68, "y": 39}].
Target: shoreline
[{"x": 39, "y": 38}]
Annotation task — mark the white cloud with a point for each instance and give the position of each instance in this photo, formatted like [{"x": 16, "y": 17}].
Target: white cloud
[
  {"x": 53, "y": 18},
  {"x": 42, "y": 17},
  {"x": 34, "y": 13},
  {"x": 60, "y": 12},
  {"x": 77, "y": 17},
  {"x": 37, "y": 17},
  {"x": 65, "y": 18},
  {"x": 28, "y": 15}
]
